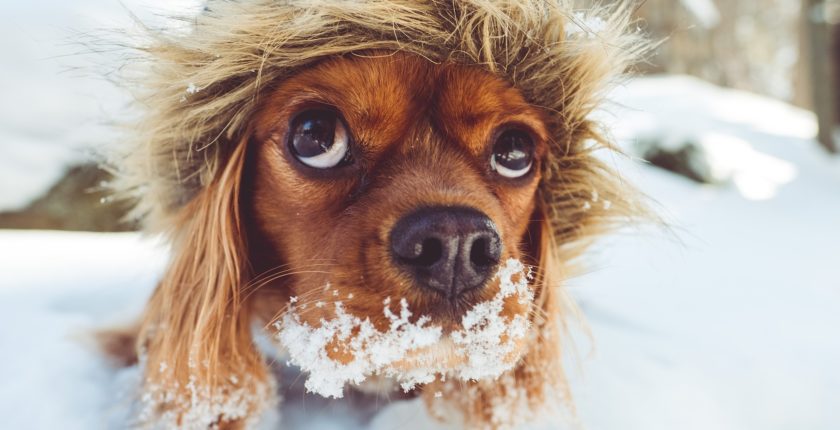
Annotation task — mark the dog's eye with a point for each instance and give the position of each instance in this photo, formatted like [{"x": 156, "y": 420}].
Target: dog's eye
[
  {"x": 319, "y": 139},
  {"x": 513, "y": 154}
]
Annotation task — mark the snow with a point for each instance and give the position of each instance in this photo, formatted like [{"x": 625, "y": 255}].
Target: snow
[
  {"x": 350, "y": 349},
  {"x": 725, "y": 125},
  {"x": 728, "y": 321},
  {"x": 54, "y": 288},
  {"x": 372, "y": 352},
  {"x": 205, "y": 406}
]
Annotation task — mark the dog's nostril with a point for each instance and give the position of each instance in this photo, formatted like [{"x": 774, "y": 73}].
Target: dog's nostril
[
  {"x": 480, "y": 253},
  {"x": 430, "y": 253}
]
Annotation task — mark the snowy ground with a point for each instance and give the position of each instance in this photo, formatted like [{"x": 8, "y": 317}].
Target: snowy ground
[
  {"x": 727, "y": 321},
  {"x": 733, "y": 324}
]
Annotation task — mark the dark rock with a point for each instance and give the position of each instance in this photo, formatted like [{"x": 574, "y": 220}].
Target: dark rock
[
  {"x": 77, "y": 202},
  {"x": 688, "y": 159}
]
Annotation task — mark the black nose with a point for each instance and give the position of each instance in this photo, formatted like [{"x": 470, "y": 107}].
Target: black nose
[{"x": 447, "y": 249}]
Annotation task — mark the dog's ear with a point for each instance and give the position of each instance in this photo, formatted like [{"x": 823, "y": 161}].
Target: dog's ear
[
  {"x": 201, "y": 366},
  {"x": 540, "y": 374},
  {"x": 538, "y": 380}
]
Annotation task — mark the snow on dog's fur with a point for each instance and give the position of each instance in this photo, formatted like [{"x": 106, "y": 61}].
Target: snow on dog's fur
[
  {"x": 410, "y": 352},
  {"x": 250, "y": 231}
]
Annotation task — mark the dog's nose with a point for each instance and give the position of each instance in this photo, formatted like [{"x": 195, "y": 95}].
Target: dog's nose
[{"x": 447, "y": 249}]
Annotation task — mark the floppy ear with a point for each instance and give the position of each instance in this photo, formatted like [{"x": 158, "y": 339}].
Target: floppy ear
[
  {"x": 201, "y": 366},
  {"x": 538, "y": 379}
]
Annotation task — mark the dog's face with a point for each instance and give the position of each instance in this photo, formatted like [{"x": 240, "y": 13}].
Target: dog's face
[{"x": 392, "y": 177}]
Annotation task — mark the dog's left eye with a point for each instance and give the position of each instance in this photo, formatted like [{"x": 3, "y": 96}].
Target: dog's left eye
[
  {"x": 319, "y": 139},
  {"x": 513, "y": 154}
]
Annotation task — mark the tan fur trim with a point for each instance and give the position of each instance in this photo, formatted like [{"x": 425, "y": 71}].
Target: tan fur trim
[{"x": 198, "y": 88}]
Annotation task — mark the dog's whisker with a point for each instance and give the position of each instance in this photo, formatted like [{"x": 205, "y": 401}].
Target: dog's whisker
[
  {"x": 252, "y": 289},
  {"x": 268, "y": 279},
  {"x": 283, "y": 267}
]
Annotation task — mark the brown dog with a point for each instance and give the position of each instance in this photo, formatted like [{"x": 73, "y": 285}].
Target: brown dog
[{"x": 317, "y": 170}]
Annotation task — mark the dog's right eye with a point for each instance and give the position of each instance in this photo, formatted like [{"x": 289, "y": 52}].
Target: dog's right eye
[
  {"x": 319, "y": 139},
  {"x": 513, "y": 154}
]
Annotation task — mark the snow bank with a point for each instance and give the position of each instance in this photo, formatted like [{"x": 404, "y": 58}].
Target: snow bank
[
  {"x": 726, "y": 321},
  {"x": 54, "y": 288},
  {"x": 735, "y": 137}
]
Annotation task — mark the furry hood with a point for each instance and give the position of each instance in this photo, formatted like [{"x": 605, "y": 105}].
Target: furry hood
[{"x": 197, "y": 87}]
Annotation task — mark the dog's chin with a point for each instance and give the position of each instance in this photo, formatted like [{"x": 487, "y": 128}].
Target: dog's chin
[
  {"x": 447, "y": 364},
  {"x": 447, "y": 358}
]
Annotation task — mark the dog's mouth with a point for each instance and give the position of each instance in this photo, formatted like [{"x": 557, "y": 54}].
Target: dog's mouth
[{"x": 412, "y": 349}]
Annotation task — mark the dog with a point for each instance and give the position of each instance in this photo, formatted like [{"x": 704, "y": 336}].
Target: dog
[{"x": 415, "y": 176}]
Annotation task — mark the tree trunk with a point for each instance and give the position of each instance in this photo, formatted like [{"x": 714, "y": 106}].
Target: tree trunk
[{"x": 821, "y": 54}]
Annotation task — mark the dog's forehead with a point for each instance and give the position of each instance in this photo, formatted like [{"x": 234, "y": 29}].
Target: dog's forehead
[{"x": 385, "y": 97}]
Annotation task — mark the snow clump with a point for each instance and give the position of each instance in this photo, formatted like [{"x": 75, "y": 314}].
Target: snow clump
[{"x": 409, "y": 352}]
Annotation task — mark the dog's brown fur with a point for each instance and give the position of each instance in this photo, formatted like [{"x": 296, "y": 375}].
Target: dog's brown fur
[
  {"x": 251, "y": 228},
  {"x": 424, "y": 135}
]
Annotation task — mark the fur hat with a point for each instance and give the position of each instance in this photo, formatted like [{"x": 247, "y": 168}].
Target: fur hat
[{"x": 197, "y": 87}]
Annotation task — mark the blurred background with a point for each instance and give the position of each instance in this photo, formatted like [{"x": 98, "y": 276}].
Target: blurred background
[{"x": 728, "y": 320}]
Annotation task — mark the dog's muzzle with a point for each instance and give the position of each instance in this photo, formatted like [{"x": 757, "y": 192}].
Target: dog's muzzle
[{"x": 449, "y": 250}]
